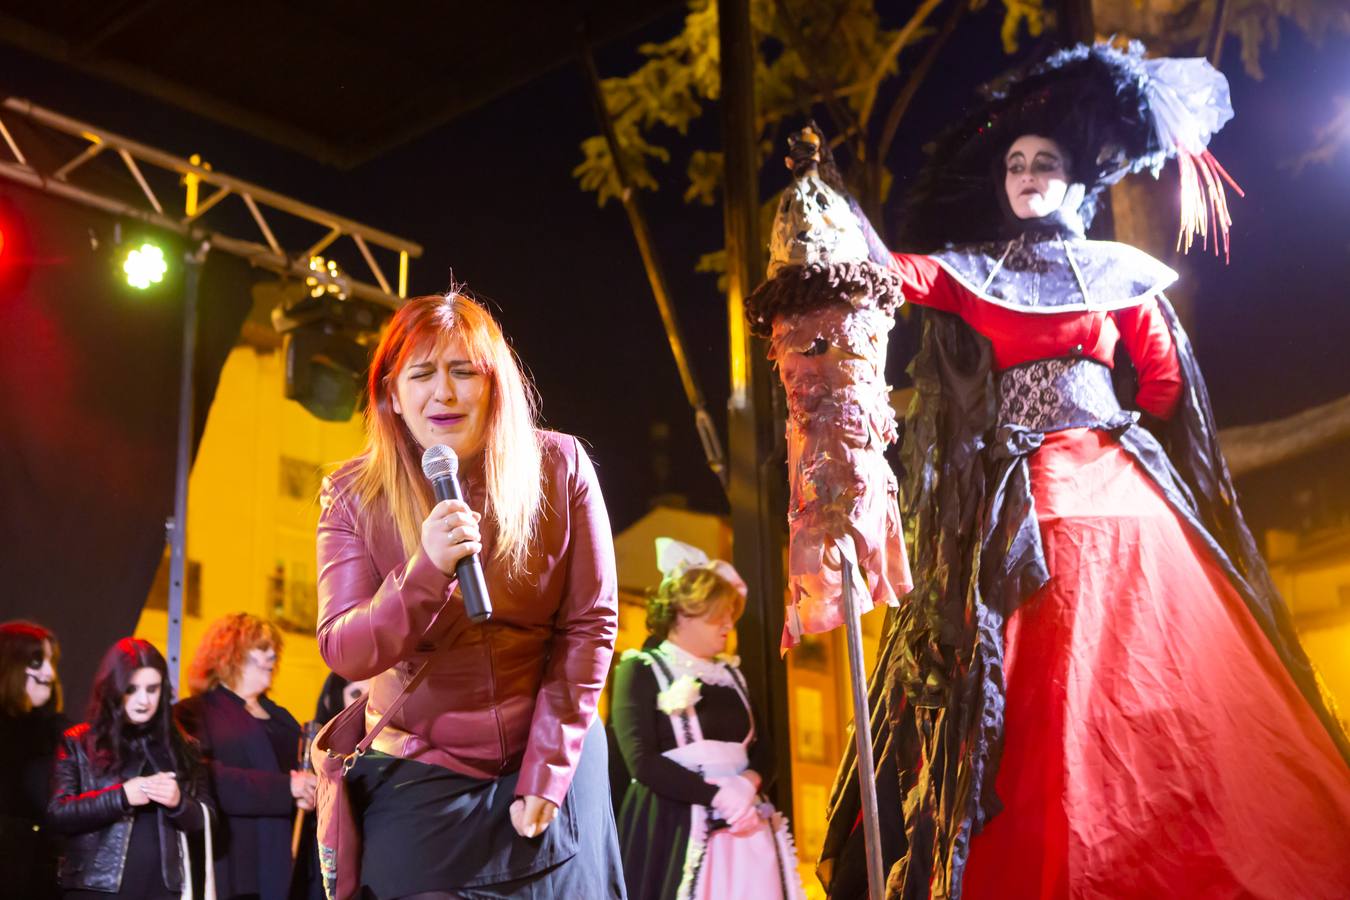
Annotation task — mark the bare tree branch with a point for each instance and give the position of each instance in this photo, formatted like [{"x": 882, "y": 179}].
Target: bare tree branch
[
  {"x": 1251, "y": 447},
  {"x": 898, "y": 43},
  {"x": 844, "y": 120},
  {"x": 916, "y": 79},
  {"x": 1330, "y": 139},
  {"x": 1217, "y": 32}
]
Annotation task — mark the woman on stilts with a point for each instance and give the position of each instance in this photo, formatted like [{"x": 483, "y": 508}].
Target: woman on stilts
[{"x": 1094, "y": 690}]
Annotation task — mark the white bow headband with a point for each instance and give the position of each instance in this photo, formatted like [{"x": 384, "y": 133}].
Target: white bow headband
[{"x": 674, "y": 557}]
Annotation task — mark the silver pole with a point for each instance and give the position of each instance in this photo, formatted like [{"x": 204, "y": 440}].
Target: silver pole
[
  {"x": 177, "y": 524},
  {"x": 862, "y": 736}
]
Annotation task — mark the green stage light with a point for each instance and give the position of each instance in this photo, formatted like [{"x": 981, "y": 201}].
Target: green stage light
[{"x": 144, "y": 266}]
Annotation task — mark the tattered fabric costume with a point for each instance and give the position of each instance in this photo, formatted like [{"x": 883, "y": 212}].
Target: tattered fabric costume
[
  {"x": 828, "y": 309},
  {"x": 1094, "y": 690}
]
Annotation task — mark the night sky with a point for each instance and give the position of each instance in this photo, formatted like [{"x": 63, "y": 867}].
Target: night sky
[{"x": 492, "y": 199}]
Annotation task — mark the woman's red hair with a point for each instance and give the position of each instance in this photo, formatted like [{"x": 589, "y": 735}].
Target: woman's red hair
[{"x": 224, "y": 649}]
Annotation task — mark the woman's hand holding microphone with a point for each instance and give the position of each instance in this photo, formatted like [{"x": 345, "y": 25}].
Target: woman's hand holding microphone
[{"x": 450, "y": 533}]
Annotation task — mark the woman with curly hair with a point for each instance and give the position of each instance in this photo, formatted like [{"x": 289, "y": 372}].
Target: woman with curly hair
[
  {"x": 252, "y": 746},
  {"x": 693, "y": 823},
  {"x": 128, "y": 785},
  {"x": 31, "y": 722}
]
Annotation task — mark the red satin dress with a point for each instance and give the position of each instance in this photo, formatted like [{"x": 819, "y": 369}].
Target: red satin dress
[{"x": 1155, "y": 745}]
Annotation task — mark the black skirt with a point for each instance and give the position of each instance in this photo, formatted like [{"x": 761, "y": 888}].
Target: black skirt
[
  {"x": 655, "y": 833},
  {"x": 426, "y": 828}
]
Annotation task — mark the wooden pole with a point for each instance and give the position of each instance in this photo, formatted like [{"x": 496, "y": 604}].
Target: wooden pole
[
  {"x": 862, "y": 737},
  {"x": 757, "y": 484}
]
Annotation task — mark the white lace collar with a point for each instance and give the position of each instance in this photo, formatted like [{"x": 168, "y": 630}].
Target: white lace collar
[{"x": 709, "y": 671}]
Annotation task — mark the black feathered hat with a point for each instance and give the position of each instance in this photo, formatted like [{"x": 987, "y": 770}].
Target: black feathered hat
[{"x": 1111, "y": 110}]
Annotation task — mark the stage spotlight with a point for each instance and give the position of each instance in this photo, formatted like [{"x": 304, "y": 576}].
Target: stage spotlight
[
  {"x": 327, "y": 279},
  {"x": 145, "y": 265},
  {"x": 16, "y": 248},
  {"x": 325, "y": 344}
]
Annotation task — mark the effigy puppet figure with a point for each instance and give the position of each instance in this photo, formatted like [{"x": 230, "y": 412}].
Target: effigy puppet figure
[{"x": 827, "y": 309}]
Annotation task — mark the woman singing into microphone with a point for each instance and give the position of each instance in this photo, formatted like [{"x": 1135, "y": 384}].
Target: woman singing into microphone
[{"x": 491, "y": 778}]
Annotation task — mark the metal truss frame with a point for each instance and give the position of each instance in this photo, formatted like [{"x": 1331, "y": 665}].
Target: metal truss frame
[
  {"x": 203, "y": 237},
  {"x": 260, "y": 203}
]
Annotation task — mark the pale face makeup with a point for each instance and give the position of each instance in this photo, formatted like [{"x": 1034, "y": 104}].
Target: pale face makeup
[
  {"x": 1036, "y": 176},
  {"x": 443, "y": 398},
  {"x": 41, "y": 678},
  {"x": 142, "y": 697},
  {"x": 354, "y": 691},
  {"x": 255, "y": 676}
]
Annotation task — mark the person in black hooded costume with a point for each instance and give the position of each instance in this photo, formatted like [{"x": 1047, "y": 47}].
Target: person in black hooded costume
[{"x": 1094, "y": 689}]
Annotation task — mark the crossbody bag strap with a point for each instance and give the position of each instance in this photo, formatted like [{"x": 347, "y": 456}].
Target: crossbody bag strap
[
  {"x": 402, "y": 698},
  {"x": 394, "y": 707}
]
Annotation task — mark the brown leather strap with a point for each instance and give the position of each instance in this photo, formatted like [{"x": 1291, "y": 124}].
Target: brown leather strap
[
  {"x": 394, "y": 707},
  {"x": 412, "y": 684}
]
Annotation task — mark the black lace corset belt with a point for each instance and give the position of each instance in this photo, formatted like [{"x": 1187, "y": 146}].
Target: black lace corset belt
[{"x": 1054, "y": 394}]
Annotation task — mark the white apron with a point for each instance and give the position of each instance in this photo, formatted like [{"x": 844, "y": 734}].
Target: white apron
[{"x": 719, "y": 865}]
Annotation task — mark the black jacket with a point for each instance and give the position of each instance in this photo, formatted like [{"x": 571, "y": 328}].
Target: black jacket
[
  {"x": 92, "y": 810},
  {"x": 252, "y": 791},
  {"x": 28, "y": 848}
]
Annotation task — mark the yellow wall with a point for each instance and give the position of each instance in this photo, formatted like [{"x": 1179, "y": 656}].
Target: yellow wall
[
  {"x": 1313, "y": 575},
  {"x": 252, "y": 539},
  {"x": 1329, "y": 649}
]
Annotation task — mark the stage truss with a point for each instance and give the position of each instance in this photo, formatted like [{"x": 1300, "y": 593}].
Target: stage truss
[{"x": 264, "y": 207}]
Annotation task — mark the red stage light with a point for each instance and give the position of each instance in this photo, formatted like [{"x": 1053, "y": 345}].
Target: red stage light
[{"x": 16, "y": 253}]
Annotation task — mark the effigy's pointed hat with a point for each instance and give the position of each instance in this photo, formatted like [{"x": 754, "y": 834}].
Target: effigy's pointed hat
[{"x": 822, "y": 250}]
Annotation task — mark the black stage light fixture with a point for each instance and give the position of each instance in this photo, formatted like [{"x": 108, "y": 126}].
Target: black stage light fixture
[{"x": 326, "y": 348}]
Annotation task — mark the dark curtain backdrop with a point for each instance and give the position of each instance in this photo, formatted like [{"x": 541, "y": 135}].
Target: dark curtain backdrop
[{"x": 89, "y": 373}]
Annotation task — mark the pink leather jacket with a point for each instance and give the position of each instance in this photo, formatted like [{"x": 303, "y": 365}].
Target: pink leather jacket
[{"x": 518, "y": 691}]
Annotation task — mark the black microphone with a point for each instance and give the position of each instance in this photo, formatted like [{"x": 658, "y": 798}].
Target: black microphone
[{"x": 441, "y": 465}]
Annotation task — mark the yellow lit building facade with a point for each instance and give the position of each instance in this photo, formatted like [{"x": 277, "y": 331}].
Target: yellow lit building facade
[
  {"x": 1312, "y": 572},
  {"x": 252, "y": 513}
]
